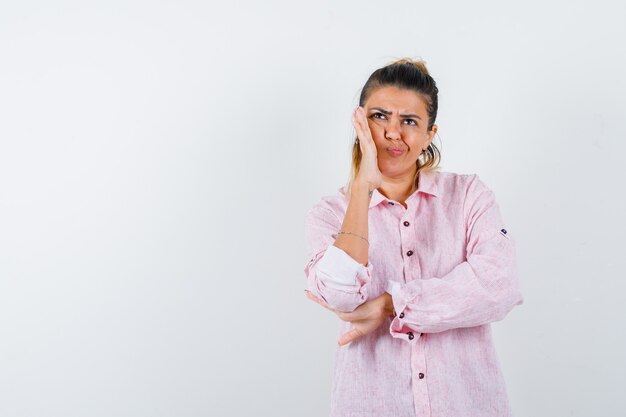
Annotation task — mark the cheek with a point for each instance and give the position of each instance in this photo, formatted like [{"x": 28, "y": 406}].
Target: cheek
[
  {"x": 418, "y": 141},
  {"x": 378, "y": 132},
  {"x": 373, "y": 126}
]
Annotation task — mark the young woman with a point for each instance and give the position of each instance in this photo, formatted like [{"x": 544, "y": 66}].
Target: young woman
[{"x": 415, "y": 262}]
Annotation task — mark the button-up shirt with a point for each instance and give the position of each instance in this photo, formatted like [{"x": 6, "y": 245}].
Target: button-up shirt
[{"x": 449, "y": 264}]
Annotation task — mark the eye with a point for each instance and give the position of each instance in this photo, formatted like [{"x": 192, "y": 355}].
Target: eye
[
  {"x": 411, "y": 122},
  {"x": 375, "y": 115}
]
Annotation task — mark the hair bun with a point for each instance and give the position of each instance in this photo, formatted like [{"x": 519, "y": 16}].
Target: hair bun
[{"x": 420, "y": 63}]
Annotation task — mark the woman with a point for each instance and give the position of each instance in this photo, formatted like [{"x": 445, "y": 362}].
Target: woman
[{"x": 415, "y": 262}]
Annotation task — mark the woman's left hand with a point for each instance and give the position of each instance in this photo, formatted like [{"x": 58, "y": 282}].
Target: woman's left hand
[{"x": 365, "y": 318}]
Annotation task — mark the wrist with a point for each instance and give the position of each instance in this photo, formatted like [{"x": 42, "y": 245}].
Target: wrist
[
  {"x": 362, "y": 188},
  {"x": 387, "y": 305}
]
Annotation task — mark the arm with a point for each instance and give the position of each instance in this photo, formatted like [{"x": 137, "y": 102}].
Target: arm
[
  {"x": 338, "y": 271},
  {"x": 340, "y": 282},
  {"x": 480, "y": 290}
]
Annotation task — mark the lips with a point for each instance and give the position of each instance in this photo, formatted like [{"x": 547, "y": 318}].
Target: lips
[{"x": 395, "y": 151}]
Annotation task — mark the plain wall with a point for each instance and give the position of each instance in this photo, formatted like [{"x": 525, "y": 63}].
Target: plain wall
[{"x": 157, "y": 160}]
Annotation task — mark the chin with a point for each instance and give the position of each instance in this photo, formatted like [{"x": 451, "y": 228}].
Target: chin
[
  {"x": 395, "y": 171},
  {"x": 392, "y": 172}
]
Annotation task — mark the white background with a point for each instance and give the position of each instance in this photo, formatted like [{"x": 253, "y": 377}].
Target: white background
[{"x": 157, "y": 160}]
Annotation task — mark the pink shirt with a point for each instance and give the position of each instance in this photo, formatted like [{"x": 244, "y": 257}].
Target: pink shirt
[{"x": 449, "y": 264}]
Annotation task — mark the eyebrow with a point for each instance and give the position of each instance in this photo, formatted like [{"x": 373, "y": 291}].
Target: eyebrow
[{"x": 387, "y": 112}]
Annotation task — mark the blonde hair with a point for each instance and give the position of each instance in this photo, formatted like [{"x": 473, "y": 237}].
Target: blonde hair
[{"x": 407, "y": 74}]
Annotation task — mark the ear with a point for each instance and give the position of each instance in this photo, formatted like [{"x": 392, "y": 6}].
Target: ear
[{"x": 431, "y": 135}]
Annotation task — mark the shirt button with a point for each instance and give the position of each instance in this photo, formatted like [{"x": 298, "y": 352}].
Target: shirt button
[
  {"x": 390, "y": 202},
  {"x": 410, "y": 335},
  {"x": 503, "y": 231},
  {"x": 401, "y": 315},
  {"x": 409, "y": 253},
  {"x": 421, "y": 375},
  {"x": 407, "y": 224}
]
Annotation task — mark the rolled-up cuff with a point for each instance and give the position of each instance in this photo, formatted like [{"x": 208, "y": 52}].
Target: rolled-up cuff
[{"x": 338, "y": 269}]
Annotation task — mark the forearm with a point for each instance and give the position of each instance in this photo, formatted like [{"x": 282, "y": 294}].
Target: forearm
[
  {"x": 481, "y": 290},
  {"x": 338, "y": 271},
  {"x": 356, "y": 222}
]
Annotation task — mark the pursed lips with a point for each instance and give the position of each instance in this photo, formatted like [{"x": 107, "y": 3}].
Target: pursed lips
[{"x": 395, "y": 151}]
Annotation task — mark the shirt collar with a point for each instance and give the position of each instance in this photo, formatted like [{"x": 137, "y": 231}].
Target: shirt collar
[{"x": 427, "y": 183}]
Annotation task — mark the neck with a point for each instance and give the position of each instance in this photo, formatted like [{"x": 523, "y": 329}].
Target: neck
[{"x": 398, "y": 188}]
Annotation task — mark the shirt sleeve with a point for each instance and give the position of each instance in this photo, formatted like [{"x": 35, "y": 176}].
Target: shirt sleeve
[
  {"x": 480, "y": 290},
  {"x": 332, "y": 274}
]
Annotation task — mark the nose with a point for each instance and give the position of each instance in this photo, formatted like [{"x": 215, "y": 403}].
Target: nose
[{"x": 392, "y": 131}]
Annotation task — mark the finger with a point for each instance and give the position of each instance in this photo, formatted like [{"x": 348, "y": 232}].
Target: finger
[
  {"x": 363, "y": 126},
  {"x": 363, "y": 134},
  {"x": 361, "y": 117},
  {"x": 351, "y": 316},
  {"x": 314, "y": 298},
  {"x": 356, "y": 122},
  {"x": 358, "y": 119},
  {"x": 349, "y": 337},
  {"x": 318, "y": 301}
]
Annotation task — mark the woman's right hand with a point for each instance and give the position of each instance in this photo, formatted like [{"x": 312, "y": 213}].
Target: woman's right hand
[
  {"x": 369, "y": 174},
  {"x": 364, "y": 319}
]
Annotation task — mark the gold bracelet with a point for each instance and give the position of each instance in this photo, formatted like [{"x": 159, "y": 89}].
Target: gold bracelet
[{"x": 350, "y": 233}]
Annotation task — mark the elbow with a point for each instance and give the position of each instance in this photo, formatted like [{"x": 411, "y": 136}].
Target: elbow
[
  {"x": 514, "y": 297},
  {"x": 345, "y": 299},
  {"x": 502, "y": 291},
  {"x": 341, "y": 298},
  {"x": 337, "y": 287}
]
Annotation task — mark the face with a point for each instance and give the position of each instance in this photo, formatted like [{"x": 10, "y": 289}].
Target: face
[{"x": 398, "y": 121}]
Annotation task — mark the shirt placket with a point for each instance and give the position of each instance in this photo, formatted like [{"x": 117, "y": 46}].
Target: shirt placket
[
  {"x": 419, "y": 378},
  {"x": 407, "y": 238},
  {"x": 411, "y": 272}
]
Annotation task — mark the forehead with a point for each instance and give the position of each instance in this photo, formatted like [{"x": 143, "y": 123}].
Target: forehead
[{"x": 397, "y": 100}]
